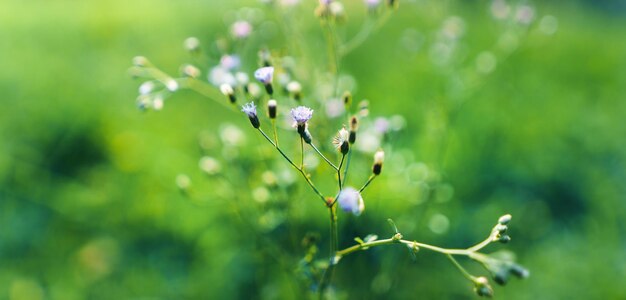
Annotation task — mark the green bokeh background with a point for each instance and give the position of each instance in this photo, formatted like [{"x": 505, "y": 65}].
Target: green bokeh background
[{"x": 89, "y": 208}]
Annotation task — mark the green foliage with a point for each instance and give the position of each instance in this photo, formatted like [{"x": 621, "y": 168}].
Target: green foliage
[{"x": 89, "y": 206}]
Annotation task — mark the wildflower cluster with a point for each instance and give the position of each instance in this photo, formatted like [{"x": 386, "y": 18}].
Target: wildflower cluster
[{"x": 276, "y": 92}]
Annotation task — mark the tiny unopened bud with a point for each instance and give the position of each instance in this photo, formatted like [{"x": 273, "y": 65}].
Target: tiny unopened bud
[
  {"x": 295, "y": 89},
  {"x": 171, "y": 84},
  {"x": 347, "y": 98},
  {"x": 271, "y": 108},
  {"x": 504, "y": 220},
  {"x": 337, "y": 10},
  {"x": 158, "y": 102},
  {"x": 364, "y": 110},
  {"x": 504, "y": 239},
  {"x": 482, "y": 287},
  {"x": 393, "y": 3},
  {"x": 354, "y": 126},
  {"x": 183, "y": 182},
  {"x": 379, "y": 157},
  {"x": 519, "y": 271},
  {"x": 501, "y": 277},
  {"x": 146, "y": 88},
  {"x": 190, "y": 71},
  {"x": 228, "y": 91},
  {"x": 140, "y": 61},
  {"x": 304, "y": 133},
  {"x": 192, "y": 44},
  {"x": 501, "y": 228}
]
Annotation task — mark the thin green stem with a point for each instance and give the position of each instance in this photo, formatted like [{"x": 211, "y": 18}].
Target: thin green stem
[
  {"x": 301, "y": 170},
  {"x": 324, "y": 157},
  {"x": 343, "y": 156},
  {"x": 368, "y": 28},
  {"x": 275, "y": 132},
  {"x": 345, "y": 170},
  {"x": 458, "y": 266},
  {"x": 334, "y": 245},
  {"x": 369, "y": 180},
  {"x": 301, "y": 153}
]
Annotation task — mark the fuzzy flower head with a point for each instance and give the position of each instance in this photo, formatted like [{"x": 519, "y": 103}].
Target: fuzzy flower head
[
  {"x": 301, "y": 115},
  {"x": 350, "y": 200},
  {"x": 250, "y": 110},
  {"x": 340, "y": 141},
  {"x": 264, "y": 75}
]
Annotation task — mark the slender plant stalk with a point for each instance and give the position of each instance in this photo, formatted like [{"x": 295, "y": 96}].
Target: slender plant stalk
[
  {"x": 324, "y": 157},
  {"x": 301, "y": 170}
]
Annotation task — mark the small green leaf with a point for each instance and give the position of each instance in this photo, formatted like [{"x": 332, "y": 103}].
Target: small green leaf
[{"x": 393, "y": 225}]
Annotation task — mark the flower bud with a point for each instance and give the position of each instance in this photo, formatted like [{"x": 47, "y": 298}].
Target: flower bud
[
  {"x": 379, "y": 157},
  {"x": 192, "y": 44},
  {"x": 354, "y": 125},
  {"x": 519, "y": 271},
  {"x": 504, "y": 239},
  {"x": 392, "y": 3},
  {"x": 482, "y": 287},
  {"x": 304, "y": 133},
  {"x": 347, "y": 98},
  {"x": 295, "y": 89},
  {"x": 271, "y": 108},
  {"x": 140, "y": 61},
  {"x": 504, "y": 220},
  {"x": 228, "y": 91},
  {"x": 190, "y": 71}
]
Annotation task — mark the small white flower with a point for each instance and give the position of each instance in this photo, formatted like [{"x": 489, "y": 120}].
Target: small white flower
[
  {"x": 249, "y": 109},
  {"x": 350, "y": 200},
  {"x": 264, "y": 75},
  {"x": 301, "y": 115}
]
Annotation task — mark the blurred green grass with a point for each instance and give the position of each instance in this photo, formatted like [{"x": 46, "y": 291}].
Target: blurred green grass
[{"x": 89, "y": 208}]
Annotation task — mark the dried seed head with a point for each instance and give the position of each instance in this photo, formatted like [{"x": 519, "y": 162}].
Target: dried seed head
[{"x": 341, "y": 141}]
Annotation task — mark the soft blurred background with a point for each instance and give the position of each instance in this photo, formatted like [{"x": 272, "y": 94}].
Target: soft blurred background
[{"x": 498, "y": 118}]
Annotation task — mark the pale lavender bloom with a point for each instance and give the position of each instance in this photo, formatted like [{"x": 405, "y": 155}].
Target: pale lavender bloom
[
  {"x": 219, "y": 75},
  {"x": 350, "y": 200},
  {"x": 372, "y": 3},
  {"x": 249, "y": 109},
  {"x": 241, "y": 29},
  {"x": 264, "y": 75},
  {"x": 230, "y": 62},
  {"x": 335, "y": 108},
  {"x": 325, "y": 2},
  {"x": 381, "y": 125},
  {"x": 301, "y": 115},
  {"x": 524, "y": 14}
]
